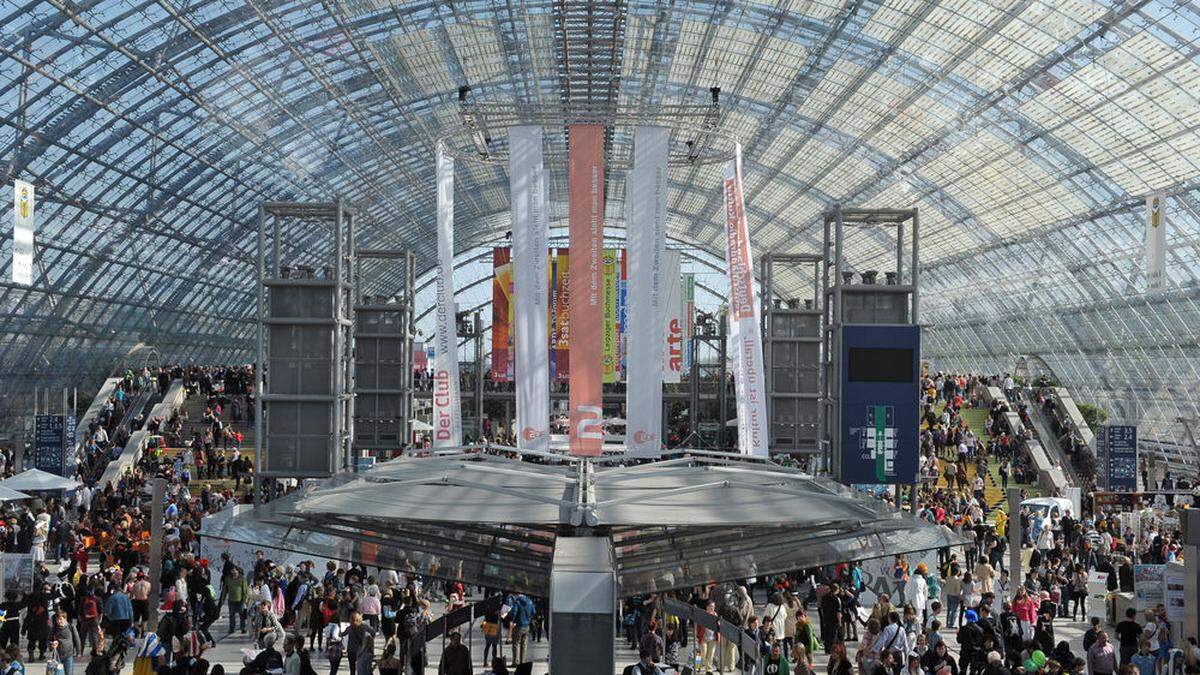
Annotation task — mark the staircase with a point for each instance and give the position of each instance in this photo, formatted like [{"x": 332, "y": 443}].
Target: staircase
[
  {"x": 994, "y": 498},
  {"x": 194, "y": 407}
]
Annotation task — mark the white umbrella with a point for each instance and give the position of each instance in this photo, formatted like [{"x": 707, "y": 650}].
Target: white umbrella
[
  {"x": 615, "y": 422},
  {"x": 36, "y": 480},
  {"x": 11, "y": 495},
  {"x": 418, "y": 425}
]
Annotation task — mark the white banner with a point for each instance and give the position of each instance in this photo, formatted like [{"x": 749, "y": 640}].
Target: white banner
[
  {"x": 1156, "y": 241},
  {"x": 531, "y": 243},
  {"x": 672, "y": 319},
  {"x": 646, "y": 229},
  {"x": 23, "y": 222},
  {"x": 447, "y": 410},
  {"x": 745, "y": 341}
]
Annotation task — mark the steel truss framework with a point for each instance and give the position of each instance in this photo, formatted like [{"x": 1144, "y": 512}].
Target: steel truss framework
[
  {"x": 1027, "y": 133},
  {"x": 491, "y": 517}
]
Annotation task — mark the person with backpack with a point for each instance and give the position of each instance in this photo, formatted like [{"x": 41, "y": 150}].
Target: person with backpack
[
  {"x": 522, "y": 610},
  {"x": 89, "y": 619},
  {"x": 334, "y": 649}
]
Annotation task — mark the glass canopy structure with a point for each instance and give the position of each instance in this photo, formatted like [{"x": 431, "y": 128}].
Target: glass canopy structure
[{"x": 1027, "y": 133}]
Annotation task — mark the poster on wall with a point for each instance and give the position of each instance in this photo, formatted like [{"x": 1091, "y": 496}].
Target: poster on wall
[
  {"x": 1174, "y": 592},
  {"x": 562, "y": 315},
  {"x": 880, "y": 576},
  {"x": 17, "y": 572},
  {"x": 1097, "y": 593},
  {"x": 1148, "y": 586}
]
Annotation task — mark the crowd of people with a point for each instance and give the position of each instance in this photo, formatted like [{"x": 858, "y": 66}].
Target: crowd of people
[{"x": 89, "y": 601}]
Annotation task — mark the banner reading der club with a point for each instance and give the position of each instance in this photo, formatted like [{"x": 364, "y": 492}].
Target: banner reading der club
[
  {"x": 646, "y": 223},
  {"x": 447, "y": 412},
  {"x": 531, "y": 238},
  {"x": 745, "y": 341},
  {"x": 585, "y": 215}
]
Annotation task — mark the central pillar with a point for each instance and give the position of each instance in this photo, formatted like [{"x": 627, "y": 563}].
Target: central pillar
[{"x": 583, "y": 602}]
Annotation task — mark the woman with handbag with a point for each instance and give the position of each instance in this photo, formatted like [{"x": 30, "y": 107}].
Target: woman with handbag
[
  {"x": 491, "y": 635},
  {"x": 65, "y": 645}
]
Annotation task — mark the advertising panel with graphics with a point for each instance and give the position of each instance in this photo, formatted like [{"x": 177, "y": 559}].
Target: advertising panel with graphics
[{"x": 879, "y": 410}]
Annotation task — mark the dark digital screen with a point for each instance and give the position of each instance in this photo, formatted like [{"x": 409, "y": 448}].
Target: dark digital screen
[{"x": 880, "y": 365}]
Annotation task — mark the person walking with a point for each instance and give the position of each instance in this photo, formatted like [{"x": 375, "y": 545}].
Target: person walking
[
  {"x": 1101, "y": 660},
  {"x": 522, "y": 610},
  {"x": 65, "y": 644}
]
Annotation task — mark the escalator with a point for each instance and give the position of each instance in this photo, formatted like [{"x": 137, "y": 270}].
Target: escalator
[{"x": 1052, "y": 442}]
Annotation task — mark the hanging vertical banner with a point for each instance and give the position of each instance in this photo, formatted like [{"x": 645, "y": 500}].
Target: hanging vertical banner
[
  {"x": 1156, "y": 241},
  {"x": 531, "y": 239},
  {"x": 670, "y": 319},
  {"x": 609, "y": 358},
  {"x": 447, "y": 411},
  {"x": 23, "y": 223},
  {"x": 646, "y": 220},
  {"x": 623, "y": 315},
  {"x": 745, "y": 340},
  {"x": 502, "y": 337},
  {"x": 585, "y": 215},
  {"x": 689, "y": 318},
  {"x": 562, "y": 315},
  {"x": 552, "y": 314}
]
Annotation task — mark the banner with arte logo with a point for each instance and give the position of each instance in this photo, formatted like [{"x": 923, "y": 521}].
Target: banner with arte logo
[
  {"x": 649, "y": 276},
  {"x": 531, "y": 234},
  {"x": 585, "y": 216},
  {"x": 745, "y": 339},
  {"x": 447, "y": 409}
]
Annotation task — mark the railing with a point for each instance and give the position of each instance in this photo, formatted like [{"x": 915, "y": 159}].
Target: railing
[
  {"x": 136, "y": 447},
  {"x": 81, "y": 429}
]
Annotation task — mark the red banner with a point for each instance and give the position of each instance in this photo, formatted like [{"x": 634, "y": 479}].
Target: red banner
[
  {"x": 502, "y": 338},
  {"x": 585, "y": 188}
]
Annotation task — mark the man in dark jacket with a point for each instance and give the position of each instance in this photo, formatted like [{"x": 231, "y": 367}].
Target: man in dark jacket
[{"x": 456, "y": 660}]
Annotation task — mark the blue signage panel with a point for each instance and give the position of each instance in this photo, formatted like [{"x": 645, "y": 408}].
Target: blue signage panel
[
  {"x": 880, "y": 415},
  {"x": 54, "y": 441},
  {"x": 1121, "y": 444},
  {"x": 48, "y": 443}
]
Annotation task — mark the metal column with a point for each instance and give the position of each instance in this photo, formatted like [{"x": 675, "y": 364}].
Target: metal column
[{"x": 583, "y": 604}]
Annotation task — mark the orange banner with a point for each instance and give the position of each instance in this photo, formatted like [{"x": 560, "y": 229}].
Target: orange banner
[
  {"x": 502, "y": 337},
  {"x": 585, "y": 193}
]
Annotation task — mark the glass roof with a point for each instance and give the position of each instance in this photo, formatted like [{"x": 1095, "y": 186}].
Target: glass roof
[{"x": 1027, "y": 133}]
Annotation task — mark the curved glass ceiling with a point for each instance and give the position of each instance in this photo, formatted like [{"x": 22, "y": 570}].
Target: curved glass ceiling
[{"x": 1027, "y": 133}]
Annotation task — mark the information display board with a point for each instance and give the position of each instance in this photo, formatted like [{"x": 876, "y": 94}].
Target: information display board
[
  {"x": 879, "y": 414},
  {"x": 53, "y": 438},
  {"x": 1118, "y": 450}
]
